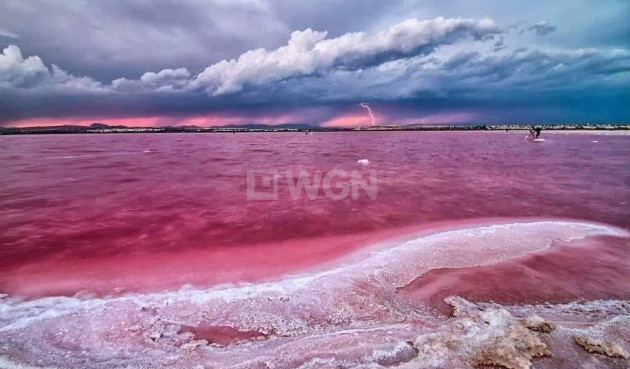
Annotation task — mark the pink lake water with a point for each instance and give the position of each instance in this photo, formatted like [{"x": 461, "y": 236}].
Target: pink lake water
[{"x": 165, "y": 217}]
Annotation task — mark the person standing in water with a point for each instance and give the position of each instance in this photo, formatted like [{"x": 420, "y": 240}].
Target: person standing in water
[{"x": 534, "y": 132}]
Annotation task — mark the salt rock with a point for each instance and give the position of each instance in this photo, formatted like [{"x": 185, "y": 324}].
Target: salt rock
[
  {"x": 192, "y": 345},
  {"x": 513, "y": 351},
  {"x": 538, "y": 324},
  {"x": 482, "y": 336},
  {"x": 598, "y": 346}
]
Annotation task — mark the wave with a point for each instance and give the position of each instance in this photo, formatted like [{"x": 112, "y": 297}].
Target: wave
[{"x": 103, "y": 154}]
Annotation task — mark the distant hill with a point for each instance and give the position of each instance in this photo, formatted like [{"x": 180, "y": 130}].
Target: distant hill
[{"x": 98, "y": 125}]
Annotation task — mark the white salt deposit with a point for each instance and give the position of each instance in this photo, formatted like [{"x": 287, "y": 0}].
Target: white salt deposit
[{"x": 348, "y": 316}]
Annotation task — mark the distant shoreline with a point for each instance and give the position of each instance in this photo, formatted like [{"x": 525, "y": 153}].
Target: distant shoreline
[{"x": 100, "y": 128}]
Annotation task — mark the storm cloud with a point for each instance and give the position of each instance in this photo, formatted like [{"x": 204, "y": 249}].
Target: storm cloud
[
  {"x": 217, "y": 62},
  {"x": 309, "y": 52},
  {"x": 542, "y": 28}
]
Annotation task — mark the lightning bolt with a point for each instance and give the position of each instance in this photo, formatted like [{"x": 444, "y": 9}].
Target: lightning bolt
[{"x": 364, "y": 105}]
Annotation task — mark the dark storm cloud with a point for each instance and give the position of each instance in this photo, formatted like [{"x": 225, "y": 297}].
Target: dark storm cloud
[
  {"x": 307, "y": 53},
  {"x": 336, "y": 17},
  {"x": 310, "y": 52},
  {"x": 110, "y": 39},
  {"x": 494, "y": 87},
  {"x": 188, "y": 58},
  {"x": 542, "y": 28}
]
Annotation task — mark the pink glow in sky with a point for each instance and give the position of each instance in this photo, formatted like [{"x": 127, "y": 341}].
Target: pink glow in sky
[
  {"x": 359, "y": 119},
  {"x": 152, "y": 121},
  {"x": 353, "y": 117},
  {"x": 348, "y": 120}
]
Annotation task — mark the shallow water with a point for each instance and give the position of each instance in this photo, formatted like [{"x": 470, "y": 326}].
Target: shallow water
[
  {"x": 121, "y": 218},
  {"x": 96, "y": 212}
]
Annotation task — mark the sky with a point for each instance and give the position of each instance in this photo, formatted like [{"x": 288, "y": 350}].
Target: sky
[{"x": 218, "y": 62}]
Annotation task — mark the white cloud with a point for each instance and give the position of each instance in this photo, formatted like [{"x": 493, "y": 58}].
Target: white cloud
[
  {"x": 309, "y": 52},
  {"x": 17, "y": 72},
  {"x": 165, "y": 80},
  {"x": 165, "y": 75},
  {"x": 61, "y": 78}
]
